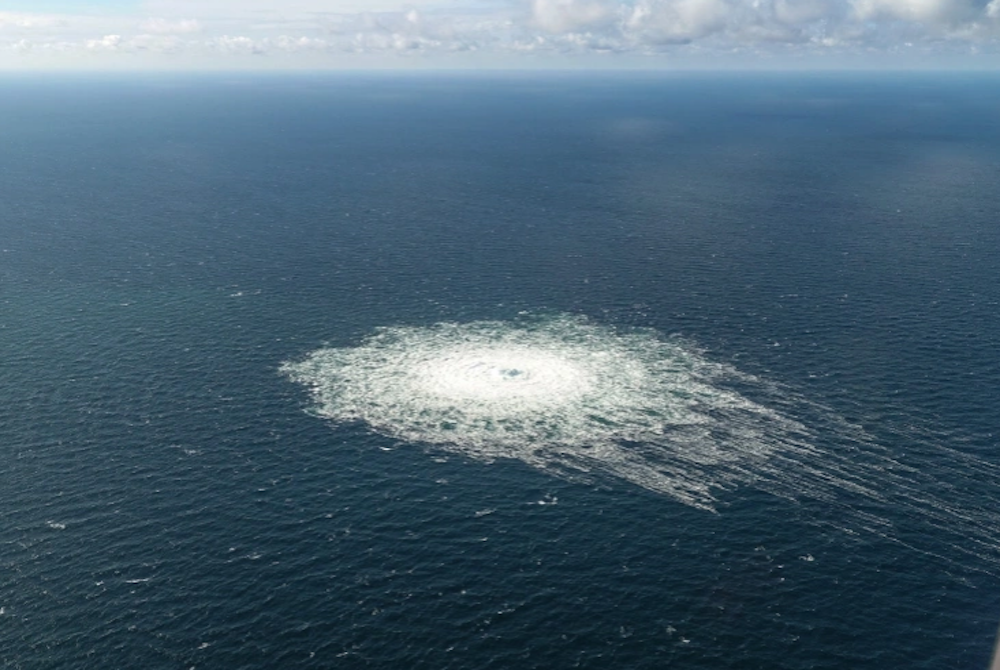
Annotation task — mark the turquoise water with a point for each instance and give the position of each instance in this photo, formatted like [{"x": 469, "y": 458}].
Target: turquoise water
[{"x": 790, "y": 461}]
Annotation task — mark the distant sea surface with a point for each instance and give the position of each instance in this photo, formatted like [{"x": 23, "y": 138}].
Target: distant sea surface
[{"x": 788, "y": 283}]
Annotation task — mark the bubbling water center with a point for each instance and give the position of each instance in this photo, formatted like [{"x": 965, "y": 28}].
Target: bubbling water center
[{"x": 502, "y": 375}]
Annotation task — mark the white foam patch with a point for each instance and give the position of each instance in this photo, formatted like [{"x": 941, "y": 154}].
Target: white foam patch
[
  {"x": 560, "y": 394},
  {"x": 584, "y": 401}
]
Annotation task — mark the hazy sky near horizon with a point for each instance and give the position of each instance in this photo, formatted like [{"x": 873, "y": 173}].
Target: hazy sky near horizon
[{"x": 514, "y": 34}]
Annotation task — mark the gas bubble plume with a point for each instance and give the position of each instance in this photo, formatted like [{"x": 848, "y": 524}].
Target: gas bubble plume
[
  {"x": 588, "y": 402},
  {"x": 560, "y": 394}
]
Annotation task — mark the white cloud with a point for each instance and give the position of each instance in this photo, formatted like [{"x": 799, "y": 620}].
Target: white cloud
[
  {"x": 166, "y": 27},
  {"x": 239, "y": 44},
  {"x": 22, "y": 21},
  {"x": 299, "y": 44},
  {"x": 192, "y": 31},
  {"x": 164, "y": 44},
  {"x": 106, "y": 43},
  {"x": 559, "y": 16},
  {"x": 678, "y": 21},
  {"x": 800, "y": 12},
  {"x": 925, "y": 11}
]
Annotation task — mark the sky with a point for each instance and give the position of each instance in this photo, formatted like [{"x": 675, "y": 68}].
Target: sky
[{"x": 499, "y": 34}]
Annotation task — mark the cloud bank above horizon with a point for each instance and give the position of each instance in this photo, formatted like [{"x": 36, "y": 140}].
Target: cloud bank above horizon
[{"x": 262, "y": 34}]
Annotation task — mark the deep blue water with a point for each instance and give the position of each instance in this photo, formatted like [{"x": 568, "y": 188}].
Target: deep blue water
[{"x": 166, "y": 243}]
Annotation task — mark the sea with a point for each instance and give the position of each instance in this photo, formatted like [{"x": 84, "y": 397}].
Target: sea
[{"x": 499, "y": 370}]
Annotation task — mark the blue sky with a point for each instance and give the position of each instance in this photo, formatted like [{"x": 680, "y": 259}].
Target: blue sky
[{"x": 580, "y": 34}]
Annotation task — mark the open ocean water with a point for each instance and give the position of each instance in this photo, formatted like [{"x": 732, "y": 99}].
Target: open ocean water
[{"x": 524, "y": 371}]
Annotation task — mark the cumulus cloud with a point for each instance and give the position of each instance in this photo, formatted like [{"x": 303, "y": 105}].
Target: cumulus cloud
[
  {"x": 923, "y": 11},
  {"x": 559, "y": 16},
  {"x": 238, "y": 44},
  {"x": 678, "y": 21},
  {"x": 652, "y": 25},
  {"x": 106, "y": 43},
  {"x": 312, "y": 29}
]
